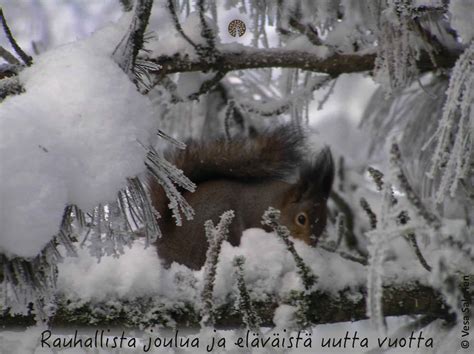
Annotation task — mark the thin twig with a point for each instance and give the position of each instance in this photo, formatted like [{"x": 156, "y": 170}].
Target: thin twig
[
  {"x": 340, "y": 228},
  {"x": 377, "y": 177},
  {"x": 249, "y": 315},
  {"x": 395, "y": 159},
  {"x": 342, "y": 205},
  {"x": 345, "y": 255},
  {"x": 177, "y": 25},
  {"x": 307, "y": 30},
  {"x": 372, "y": 216},
  {"x": 341, "y": 173},
  {"x": 207, "y": 85},
  {"x": 25, "y": 57},
  {"x": 411, "y": 238},
  {"x": 9, "y": 57},
  {"x": 228, "y": 114},
  {"x": 206, "y": 32}
]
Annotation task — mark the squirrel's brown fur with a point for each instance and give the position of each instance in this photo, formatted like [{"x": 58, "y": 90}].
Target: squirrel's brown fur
[
  {"x": 245, "y": 175},
  {"x": 269, "y": 155}
]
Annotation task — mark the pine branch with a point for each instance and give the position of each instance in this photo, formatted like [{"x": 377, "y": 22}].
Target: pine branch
[
  {"x": 251, "y": 58},
  {"x": 409, "y": 299}
]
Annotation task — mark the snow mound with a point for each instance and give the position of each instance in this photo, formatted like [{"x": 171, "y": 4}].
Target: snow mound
[{"x": 73, "y": 136}]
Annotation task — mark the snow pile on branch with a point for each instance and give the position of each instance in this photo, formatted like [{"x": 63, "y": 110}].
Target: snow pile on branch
[
  {"x": 269, "y": 269},
  {"x": 72, "y": 138}
]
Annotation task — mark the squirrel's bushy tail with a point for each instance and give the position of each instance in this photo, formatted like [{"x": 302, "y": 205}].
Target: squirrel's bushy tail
[{"x": 269, "y": 155}]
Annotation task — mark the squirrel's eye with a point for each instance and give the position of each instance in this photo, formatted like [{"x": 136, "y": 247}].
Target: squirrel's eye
[{"x": 301, "y": 219}]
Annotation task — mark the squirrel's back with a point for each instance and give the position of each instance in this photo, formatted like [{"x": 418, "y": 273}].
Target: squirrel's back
[{"x": 269, "y": 155}]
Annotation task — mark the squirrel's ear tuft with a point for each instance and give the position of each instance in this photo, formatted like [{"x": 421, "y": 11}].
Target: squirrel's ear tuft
[
  {"x": 324, "y": 169},
  {"x": 316, "y": 177}
]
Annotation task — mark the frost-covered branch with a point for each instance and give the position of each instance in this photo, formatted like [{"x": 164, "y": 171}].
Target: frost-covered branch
[
  {"x": 215, "y": 236},
  {"x": 325, "y": 307},
  {"x": 333, "y": 65},
  {"x": 245, "y": 305}
]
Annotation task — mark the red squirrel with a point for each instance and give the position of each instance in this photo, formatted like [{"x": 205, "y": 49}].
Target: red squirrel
[{"x": 247, "y": 175}]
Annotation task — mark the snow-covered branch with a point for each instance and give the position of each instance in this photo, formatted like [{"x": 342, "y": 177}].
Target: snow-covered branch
[
  {"x": 333, "y": 65},
  {"x": 326, "y": 307}
]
